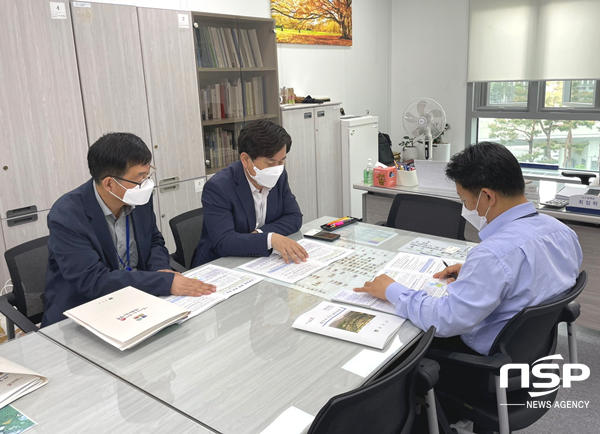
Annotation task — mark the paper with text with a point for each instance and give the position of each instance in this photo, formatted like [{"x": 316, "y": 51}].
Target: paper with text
[
  {"x": 354, "y": 324},
  {"x": 228, "y": 282},
  {"x": 16, "y": 381},
  {"x": 319, "y": 255}
]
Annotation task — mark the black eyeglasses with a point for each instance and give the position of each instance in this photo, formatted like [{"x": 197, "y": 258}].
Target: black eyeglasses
[{"x": 138, "y": 184}]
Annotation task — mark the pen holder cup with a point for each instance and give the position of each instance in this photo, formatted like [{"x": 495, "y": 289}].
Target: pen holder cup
[{"x": 407, "y": 178}]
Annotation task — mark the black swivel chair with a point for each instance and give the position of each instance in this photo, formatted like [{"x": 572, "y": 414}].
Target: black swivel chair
[
  {"x": 385, "y": 405},
  {"x": 27, "y": 264},
  {"x": 427, "y": 215},
  {"x": 187, "y": 229},
  {"x": 528, "y": 336}
]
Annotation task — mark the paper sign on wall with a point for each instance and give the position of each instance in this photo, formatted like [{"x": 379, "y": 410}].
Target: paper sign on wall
[
  {"x": 184, "y": 21},
  {"x": 58, "y": 11}
]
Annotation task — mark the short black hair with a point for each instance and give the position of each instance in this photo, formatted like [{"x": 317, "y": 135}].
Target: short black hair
[
  {"x": 263, "y": 139},
  {"x": 487, "y": 165},
  {"x": 114, "y": 154}
]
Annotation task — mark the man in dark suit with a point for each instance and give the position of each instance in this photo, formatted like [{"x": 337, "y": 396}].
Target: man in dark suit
[
  {"x": 103, "y": 234},
  {"x": 249, "y": 208}
]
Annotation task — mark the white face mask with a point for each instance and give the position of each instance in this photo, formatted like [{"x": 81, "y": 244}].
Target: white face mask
[
  {"x": 267, "y": 177},
  {"x": 473, "y": 217},
  {"x": 138, "y": 195}
]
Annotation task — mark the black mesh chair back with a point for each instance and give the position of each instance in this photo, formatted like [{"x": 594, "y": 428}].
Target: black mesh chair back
[
  {"x": 386, "y": 405},
  {"x": 187, "y": 229},
  {"x": 27, "y": 264},
  {"x": 427, "y": 215},
  {"x": 527, "y": 337},
  {"x": 532, "y": 333}
]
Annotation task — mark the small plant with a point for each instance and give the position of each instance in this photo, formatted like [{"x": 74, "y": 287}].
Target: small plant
[
  {"x": 413, "y": 141},
  {"x": 438, "y": 139},
  {"x": 408, "y": 142}
]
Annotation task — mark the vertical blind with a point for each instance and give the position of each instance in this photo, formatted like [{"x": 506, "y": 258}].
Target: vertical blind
[{"x": 532, "y": 40}]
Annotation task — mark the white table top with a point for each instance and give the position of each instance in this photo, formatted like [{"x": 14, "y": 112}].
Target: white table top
[
  {"x": 239, "y": 365},
  {"x": 547, "y": 190},
  {"x": 81, "y": 398}
]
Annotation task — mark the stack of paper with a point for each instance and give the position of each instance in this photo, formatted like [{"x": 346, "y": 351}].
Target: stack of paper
[
  {"x": 16, "y": 381},
  {"x": 352, "y": 324},
  {"x": 570, "y": 190},
  {"x": 413, "y": 271},
  {"x": 319, "y": 255},
  {"x": 228, "y": 282},
  {"x": 126, "y": 317}
]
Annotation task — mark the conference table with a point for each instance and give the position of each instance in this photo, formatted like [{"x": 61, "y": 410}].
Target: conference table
[
  {"x": 240, "y": 366},
  {"x": 79, "y": 397}
]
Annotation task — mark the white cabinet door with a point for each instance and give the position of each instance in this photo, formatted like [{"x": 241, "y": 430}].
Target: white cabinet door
[
  {"x": 300, "y": 162},
  {"x": 175, "y": 199},
  {"x": 168, "y": 55},
  {"x": 329, "y": 161},
  {"x": 43, "y": 143},
  {"x": 107, "y": 42}
]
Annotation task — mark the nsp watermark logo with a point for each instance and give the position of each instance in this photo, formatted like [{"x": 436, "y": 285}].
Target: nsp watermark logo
[{"x": 547, "y": 371}]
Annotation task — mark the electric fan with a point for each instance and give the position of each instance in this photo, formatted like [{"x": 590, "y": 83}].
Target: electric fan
[{"x": 425, "y": 118}]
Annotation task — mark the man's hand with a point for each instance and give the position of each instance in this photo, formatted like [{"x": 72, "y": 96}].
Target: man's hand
[
  {"x": 377, "y": 287},
  {"x": 450, "y": 272},
  {"x": 289, "y": 249},
  {"x": 186, "y": 286}
]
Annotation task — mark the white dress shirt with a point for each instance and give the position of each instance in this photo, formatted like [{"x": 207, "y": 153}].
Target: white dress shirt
[
  {"x": 524, "y": 259},
  {"x": 260, "y": 208}
]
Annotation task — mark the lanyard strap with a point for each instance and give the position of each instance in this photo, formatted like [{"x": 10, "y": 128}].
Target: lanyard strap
[
  {"x": 125, "y": 264},
  {"x": 533, "y": 214}
]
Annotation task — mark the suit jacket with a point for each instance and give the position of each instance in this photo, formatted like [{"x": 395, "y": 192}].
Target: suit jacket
[
  {"x": 83, "y": 263},
  {"x": 229, "y": 216}
]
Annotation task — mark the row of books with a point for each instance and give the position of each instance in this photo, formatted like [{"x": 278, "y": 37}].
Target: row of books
[
  {"x": 233, "y": 99},
  {"x": 220, "y": 146},
  {"x": 222, "y": 47}
]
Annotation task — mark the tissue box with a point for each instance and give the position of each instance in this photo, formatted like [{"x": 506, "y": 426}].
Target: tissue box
[{"x": 384, "y": 177}]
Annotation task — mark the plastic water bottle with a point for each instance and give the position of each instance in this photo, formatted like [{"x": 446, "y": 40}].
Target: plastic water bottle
[{"x": 368, "y": 174}]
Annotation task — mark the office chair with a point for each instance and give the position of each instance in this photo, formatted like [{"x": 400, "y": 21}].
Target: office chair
[
  {"x": 186, "y": 229},
  {"x": 384, "y": 405},
  {"x": 527, "y": 337},
  {"x": 27, "y": 264},
  {"x": 427, "y": 215}
]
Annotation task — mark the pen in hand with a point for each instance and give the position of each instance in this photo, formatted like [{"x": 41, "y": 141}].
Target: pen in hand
[{"x": 455, "y": 275}]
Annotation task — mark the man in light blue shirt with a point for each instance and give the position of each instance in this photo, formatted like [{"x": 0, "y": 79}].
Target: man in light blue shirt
[{"x": 524, "y": 258}]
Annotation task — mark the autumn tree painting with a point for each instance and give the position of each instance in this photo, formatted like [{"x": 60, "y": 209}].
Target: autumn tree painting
[{"x": 323, "y": 22}]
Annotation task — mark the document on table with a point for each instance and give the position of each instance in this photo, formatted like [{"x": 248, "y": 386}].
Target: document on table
[
  {"x": 228, "y": 283},
  {"x": 17, "y": 381},
  {"x": 347, "y": 273},
  {"x": 443, "y": 249},
  {"x": 319, "y": 255},
  {"x": 371, "y": 236},
  {"x": 413, "y": 271}
]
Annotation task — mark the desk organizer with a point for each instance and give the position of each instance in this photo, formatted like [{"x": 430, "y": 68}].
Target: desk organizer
[{"x": 407, "y": 178}]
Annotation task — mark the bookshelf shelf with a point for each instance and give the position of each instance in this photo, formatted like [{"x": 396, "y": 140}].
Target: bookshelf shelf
[
  {"x": 239, "y": 120},
  {"x": 236, "y": 63},
  {"x": 235, "y": 70}
]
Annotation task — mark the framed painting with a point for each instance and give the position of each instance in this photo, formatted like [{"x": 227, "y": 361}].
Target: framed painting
[{"x": 314, "y": 22}]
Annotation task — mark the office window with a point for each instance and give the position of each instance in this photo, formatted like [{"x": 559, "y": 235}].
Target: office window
[
  {"x": 575, "y": 93},
  {"x": 554, "y": 122},
  {"x": 506, "y": 93}
]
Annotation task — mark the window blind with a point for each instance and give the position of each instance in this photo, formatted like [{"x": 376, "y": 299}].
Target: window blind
[{"x": 533, "y": 40}]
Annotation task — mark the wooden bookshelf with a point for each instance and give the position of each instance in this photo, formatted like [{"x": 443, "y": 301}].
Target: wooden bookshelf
[{"x": 236, "y": 62}]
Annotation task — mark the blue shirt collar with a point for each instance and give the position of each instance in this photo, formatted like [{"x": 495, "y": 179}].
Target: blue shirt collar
[{"x": 506, "y": 217}]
